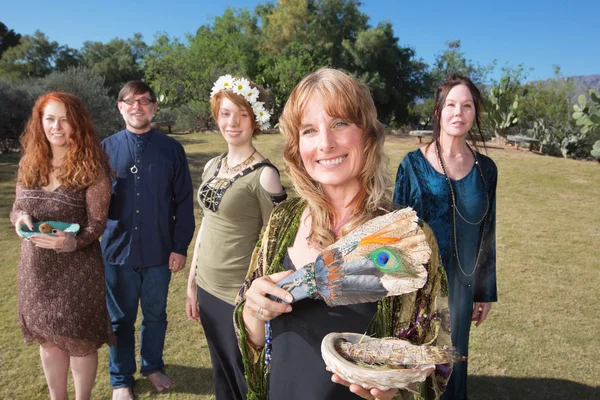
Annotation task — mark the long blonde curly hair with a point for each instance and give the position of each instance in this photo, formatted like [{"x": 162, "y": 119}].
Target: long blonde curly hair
[
  {"x": 349, "y": 99},
  {"x": 85, "y": 160}
]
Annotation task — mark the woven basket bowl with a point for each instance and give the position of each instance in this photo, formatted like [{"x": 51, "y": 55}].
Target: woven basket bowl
[{"x": 369, "y": 376}]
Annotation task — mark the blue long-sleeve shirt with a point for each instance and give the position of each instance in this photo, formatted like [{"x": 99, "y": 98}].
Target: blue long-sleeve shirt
[{"x": 152, "y": 210}]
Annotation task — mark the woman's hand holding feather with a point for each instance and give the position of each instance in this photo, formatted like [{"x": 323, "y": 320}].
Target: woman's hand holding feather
[{"x": 259, "y": 306}]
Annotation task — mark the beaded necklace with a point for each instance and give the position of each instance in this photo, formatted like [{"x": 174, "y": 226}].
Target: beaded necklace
[{"x": 456, "y": 211}]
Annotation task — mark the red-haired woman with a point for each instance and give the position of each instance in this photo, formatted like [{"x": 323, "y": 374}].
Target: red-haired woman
[
  {"x": 63, "y": 176},
  {"x": 238, "y": 192}
]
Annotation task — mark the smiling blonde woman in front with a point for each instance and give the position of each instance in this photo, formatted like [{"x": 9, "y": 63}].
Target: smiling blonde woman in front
[{"x": 334, "y": 152}]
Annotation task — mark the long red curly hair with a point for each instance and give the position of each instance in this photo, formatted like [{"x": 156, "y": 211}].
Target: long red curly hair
[{"x": 85, "y": 160}]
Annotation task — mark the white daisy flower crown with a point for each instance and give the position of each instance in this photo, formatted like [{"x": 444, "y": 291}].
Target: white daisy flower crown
[{"x": 241, "y": 87}]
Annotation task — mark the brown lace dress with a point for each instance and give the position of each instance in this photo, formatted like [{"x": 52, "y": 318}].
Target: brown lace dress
[{"x": 61, "y": 294}]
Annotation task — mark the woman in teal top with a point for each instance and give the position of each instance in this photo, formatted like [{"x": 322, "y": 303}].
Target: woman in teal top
[{"x": 453, "y": 188}]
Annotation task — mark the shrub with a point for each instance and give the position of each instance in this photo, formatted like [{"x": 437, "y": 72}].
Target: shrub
[
  {"x": 194, "y": 116},
  {"x": 15, "y": 108},
  {"x": 89, "y": 87}
]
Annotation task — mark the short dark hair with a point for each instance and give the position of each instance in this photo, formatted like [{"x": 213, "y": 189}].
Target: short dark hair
[{"x": 136, "y": 87}]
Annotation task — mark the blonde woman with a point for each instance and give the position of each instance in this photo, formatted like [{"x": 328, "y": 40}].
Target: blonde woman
[
  {"x": 334, "y": 151},
  {"x": 238, "y": 191}
]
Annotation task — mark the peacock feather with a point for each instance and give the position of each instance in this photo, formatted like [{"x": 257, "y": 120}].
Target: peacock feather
[{"x": 383, "y": 257}]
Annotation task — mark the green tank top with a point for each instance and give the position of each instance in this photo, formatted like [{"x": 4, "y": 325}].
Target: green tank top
[{"x": 231, "y": 231}]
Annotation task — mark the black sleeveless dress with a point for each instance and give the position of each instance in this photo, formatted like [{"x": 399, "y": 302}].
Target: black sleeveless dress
[{"x": 297, "y": 368}]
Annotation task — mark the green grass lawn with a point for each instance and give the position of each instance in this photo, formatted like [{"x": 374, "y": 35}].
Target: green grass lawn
[{"x": 541, "y": 340}]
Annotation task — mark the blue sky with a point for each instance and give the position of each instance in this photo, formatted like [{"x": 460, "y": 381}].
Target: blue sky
[{"x": 536, "y": 34}]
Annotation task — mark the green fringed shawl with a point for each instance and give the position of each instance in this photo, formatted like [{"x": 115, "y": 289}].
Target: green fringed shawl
[{"x": 420, "y": 317}]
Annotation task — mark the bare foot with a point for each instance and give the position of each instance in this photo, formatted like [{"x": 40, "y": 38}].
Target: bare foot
[
  {"x": 122, "y": 394},
  {"x": 160, "y": 381}
]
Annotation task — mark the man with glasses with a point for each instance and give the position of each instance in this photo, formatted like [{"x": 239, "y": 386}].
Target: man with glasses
[{"x": 150, "y": 225}]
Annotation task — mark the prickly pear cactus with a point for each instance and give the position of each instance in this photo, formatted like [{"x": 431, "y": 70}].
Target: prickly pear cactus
[
  {"x": 596, "y": 150},
  {"x": 543, "y": 133},
  {"x": 502, "y": 105},
  {"x": 587, "y": 113}
]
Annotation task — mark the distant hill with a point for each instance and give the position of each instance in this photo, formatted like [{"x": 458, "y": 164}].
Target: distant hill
[
  {"x": 584, "y": 83},
  {"x": 581, "y": 84}
]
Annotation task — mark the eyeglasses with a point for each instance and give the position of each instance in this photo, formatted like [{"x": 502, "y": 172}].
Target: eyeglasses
[{"x": 143, "y": 101}]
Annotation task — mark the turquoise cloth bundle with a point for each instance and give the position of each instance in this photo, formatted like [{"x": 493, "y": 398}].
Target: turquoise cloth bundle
[{"x": 67, "y": 227}]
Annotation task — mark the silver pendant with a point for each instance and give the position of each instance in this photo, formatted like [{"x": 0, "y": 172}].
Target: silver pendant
[{"x": 134, "y": 169}]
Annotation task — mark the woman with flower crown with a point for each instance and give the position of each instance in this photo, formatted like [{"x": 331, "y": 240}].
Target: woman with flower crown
[
  {"x": 238, "y": 191},
  {"x": 453, "y": 188}
]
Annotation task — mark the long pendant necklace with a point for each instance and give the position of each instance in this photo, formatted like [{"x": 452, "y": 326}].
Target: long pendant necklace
[
  {"x": 456, "y": 211},
  {"x": 237, "y": 168},
  {"x": 134, "y": 169}
]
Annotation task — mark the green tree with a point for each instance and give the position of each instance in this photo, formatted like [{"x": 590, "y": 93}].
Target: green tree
[
  {"x": 545, "y": 113},
  {"x": 187, "y": 73},
  {"x": 119, "y": 61},
  {"x": 288, "y": 22},
  {"x": 66, "y": 58},
  {"x": 335, "y": 22},
  {"x": 452, "y": 60},
  {"x": 35, "y": 57},
  {"x": 8, "y": 38},
  {"x": 391, "y": 71},
  {"x": 298, "y": 36},
  {"x": 165, "y": 68},
  {"x": 290, "y": 48},
  {"x": 184, "y": 74},
  {"x": 549, "y": 99},
  {"x": 322, "y": 25},
  {"x": 422, "y": 111},
  {"x": 17, "y": 98},
  {"x": 596, "y": 150},
  {"x": 279, "y": 44},
  {"x": 280, "y": 72}
]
